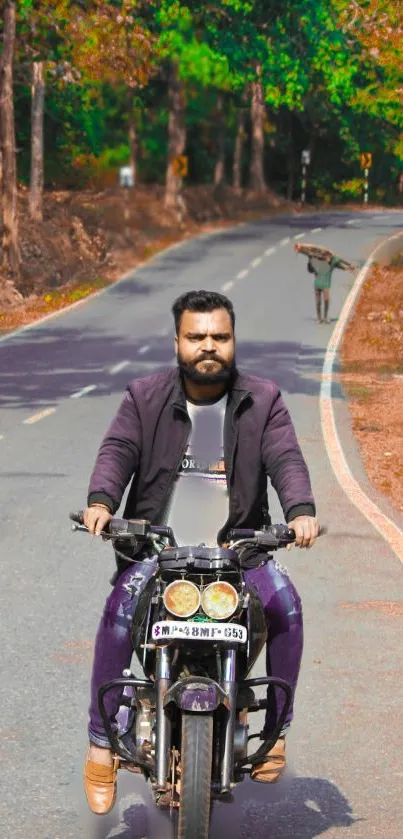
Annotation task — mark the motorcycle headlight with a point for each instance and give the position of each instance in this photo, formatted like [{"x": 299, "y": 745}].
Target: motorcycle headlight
[
  {"x": 181, "y": 598},
  {"x": 219, "y": 600}
]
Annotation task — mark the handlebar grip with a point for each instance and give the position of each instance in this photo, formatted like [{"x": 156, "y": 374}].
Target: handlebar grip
[
  {"x": 282, "y": 532},
  {"x": 241, "y": 533},
  {"x": 78, "y": 518}
]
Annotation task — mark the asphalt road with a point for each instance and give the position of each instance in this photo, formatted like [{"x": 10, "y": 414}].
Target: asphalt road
[{"x": 60, "y": 384}]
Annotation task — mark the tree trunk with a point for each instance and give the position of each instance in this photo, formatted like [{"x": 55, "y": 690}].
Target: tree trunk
[
  {"x": 238, "y": 150},
  {"x": 291, "y": 161},
  {"x": 9, "y": 194},
  {"x": 37, "y": 166},
  {"x": 257, "y": 179},
  {"x": 176, "y": 140},
  {"x": 132, "y": 134},
  {"x": 219, "y": 169}
]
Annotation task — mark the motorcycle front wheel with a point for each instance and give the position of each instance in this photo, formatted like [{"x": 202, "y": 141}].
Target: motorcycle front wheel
[{"x": 195, "y": 777}]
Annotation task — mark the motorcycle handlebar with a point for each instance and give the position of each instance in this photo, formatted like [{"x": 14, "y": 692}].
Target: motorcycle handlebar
[
  {"x": 271, "y": 537},
  {"x": 131, "y": 529}
]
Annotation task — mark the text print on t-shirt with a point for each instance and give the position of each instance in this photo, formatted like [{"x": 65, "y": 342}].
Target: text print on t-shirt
[{"x": 204, "y": 457}]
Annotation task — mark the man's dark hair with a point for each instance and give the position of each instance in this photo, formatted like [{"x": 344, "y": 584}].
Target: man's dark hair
[{"x": 201, "y": 301}]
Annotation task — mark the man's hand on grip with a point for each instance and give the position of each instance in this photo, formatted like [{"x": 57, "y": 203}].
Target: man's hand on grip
[
  {"x": 96, "y": 518},
  {"x": 306, "y": 530}
]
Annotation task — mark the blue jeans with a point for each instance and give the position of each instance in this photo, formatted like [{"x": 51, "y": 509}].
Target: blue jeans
[{"x": 114, "y": 648}]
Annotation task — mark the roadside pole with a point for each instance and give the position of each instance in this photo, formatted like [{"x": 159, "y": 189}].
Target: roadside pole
[
  {"x": 366, "y": 186},
  {"x": 305, "y": 161},
  {"x": 126, "y": 180},
  {"x": 366, "y": 163}
]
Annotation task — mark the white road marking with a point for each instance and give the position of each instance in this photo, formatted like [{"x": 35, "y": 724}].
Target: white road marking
[
  {"x": 36, "y": 417},
  {"x": 285, "y": 241},
  {"x": 144, "y": 349},
  {"x": 353, "y": 221},
  {"x": 299, "y": 236},
  {"x": 242, "y": 274},
  {"x": 270, "y": 251},
  {"x": 82, "y": 392},
  {"x": 384, "y": 525},
  {"x": 1, "y": 436},
  {"x": 118, "y": 367},
  {"x": 227, "y": 286},
  {"x": 317, "y": 230},
  {"x": 256, "y": 262}
]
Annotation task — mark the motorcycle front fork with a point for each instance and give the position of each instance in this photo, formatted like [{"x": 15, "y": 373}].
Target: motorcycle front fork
[
  {"x": 229, "y": 685},
  {"x": 163, "y": 723}
]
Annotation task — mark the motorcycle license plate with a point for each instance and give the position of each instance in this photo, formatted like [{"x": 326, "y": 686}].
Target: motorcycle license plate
[{"x": 194, "y": 631}]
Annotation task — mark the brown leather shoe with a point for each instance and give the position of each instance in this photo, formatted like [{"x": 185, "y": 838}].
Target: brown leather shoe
[
  {"x": 271, "y": 769},
  {"x": 100, "y": 784}
]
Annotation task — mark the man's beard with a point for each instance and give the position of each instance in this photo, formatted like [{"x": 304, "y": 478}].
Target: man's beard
[{"x": 222, "y": 376}]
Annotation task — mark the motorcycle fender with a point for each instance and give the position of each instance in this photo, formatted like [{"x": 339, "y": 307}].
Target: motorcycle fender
[{"x": 197, "y": 694}]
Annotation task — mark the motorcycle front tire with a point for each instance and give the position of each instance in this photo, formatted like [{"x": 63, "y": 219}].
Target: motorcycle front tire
[{"x": 195, "y": 777}]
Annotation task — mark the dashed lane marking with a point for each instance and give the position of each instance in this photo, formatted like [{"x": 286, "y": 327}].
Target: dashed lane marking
[
  {"x": 242, "y": 274},
  {"x": 256, "y": 262},
  {"x": 83, "y": 392},
  {"x": 285, "y": 241},
  {"x": 118, "y": 367},
  {"x": 36, "y": 417},
  {"x": 144, "y": 349},
  {"x": 317, "y": 230},
  {"x": 227, "y": 286},
  {"x": 270, "y": 251},
  {"x": 299, "y": 236}
]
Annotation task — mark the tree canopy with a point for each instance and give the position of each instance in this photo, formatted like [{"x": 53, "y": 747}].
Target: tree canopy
[{"x": 328, "y": 72}]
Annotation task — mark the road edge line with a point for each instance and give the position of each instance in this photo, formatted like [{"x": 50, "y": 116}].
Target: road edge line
[{"x": 350, "y": 486}]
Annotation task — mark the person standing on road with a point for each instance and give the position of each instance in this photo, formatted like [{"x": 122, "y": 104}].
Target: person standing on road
[
  {"x": 322, "y": 267},
  {"x": 198, "y": 443}
]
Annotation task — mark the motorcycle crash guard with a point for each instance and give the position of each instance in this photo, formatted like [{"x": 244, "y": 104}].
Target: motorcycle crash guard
[{"x": 196, "y": 694}]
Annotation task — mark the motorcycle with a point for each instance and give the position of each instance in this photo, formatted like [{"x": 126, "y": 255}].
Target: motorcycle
[{"x": 197, "y": 632}]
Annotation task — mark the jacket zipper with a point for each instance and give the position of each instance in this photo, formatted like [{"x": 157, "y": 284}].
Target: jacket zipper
[{"x": 174, "y": 473}]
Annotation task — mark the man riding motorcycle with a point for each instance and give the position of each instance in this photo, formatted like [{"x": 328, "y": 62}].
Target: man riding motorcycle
[{"x": 198, "y": 443}]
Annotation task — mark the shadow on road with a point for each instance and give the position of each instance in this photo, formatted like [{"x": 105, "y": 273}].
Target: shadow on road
[
  {"x": 297, "y": 808},
  {"x": 53, "y": 363}
]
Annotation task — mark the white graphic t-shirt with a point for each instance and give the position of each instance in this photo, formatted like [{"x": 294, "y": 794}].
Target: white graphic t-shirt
[{"x": 199, "y": 502}]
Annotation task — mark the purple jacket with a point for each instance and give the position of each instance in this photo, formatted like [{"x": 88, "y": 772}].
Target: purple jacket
[{"x": 148, "y": 438}]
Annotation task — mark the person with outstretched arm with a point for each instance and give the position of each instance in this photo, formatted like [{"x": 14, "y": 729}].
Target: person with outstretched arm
[{"x": 322, "y": 266}]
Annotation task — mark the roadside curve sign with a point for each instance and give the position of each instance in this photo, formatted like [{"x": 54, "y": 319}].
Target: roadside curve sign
[
  {"x": 180, "y": 165},
  {"x": 366, "y": 160}
]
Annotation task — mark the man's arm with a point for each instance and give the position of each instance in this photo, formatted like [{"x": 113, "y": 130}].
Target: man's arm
[
  {"x": 342, "y": 264},
  {"x": 118, "y": 457},
  {"x": 285, "y": 466}
]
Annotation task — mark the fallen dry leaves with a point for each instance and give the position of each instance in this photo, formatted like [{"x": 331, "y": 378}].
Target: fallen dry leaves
[
  {"x": 372, "y": 378},
  {"x": 89, "y": 239}
]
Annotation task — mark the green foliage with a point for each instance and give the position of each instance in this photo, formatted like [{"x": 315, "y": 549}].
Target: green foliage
[{"x": 331, "y": 83}]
